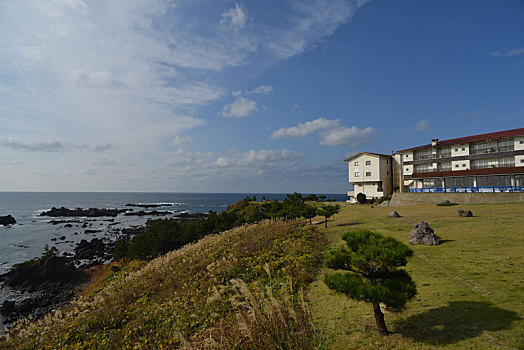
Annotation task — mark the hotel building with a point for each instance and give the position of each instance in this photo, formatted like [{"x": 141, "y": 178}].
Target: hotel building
[{"x": 492, "y": 162}]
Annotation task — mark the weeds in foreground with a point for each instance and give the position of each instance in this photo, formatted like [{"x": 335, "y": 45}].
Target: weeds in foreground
[{"x": 266, "y": 319}]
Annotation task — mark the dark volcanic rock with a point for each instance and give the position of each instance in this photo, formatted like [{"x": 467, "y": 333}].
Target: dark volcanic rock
[
  {"x": 191, "y": 216},
  {"x": 423, "y": 234},
  {"x": 394, "y": 214},
  {"x": 465, "y": 213},
  {"x": 52, "y": 280},
  {"x": 148, "y": 213},
  {"x": 56, "y": 222},
  {"x": 7, "y": 220},
  {"x": 92, "y": 231},
  {"x": 43, "y": 274},
  {"x": 91, "y": 212},
  {"x": 90, "y": 250}
]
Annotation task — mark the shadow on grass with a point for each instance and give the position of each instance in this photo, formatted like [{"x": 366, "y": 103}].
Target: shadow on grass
[
  {"x": 457, "y": 321},
  {"x": 442, "y": 241},
  {"x": 349, "y": 224}
]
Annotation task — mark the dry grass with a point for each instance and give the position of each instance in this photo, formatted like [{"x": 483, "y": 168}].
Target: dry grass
[{"x": 185, "y": 297}]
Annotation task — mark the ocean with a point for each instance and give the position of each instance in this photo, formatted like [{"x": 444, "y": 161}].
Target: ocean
[{"x": 32, "y": 233}]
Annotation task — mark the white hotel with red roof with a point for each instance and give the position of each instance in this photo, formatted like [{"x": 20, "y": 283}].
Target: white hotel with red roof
[{"x": 492, "y": 162}]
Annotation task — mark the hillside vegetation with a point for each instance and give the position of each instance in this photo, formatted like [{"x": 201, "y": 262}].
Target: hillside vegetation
[{"x": 238, "y": 289}]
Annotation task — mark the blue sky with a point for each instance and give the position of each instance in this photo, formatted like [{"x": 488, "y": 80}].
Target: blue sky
[{"x": 244, "y": 96}]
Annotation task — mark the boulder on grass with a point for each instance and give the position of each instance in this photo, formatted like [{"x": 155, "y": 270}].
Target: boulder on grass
[
  {"x": 465, "y": 213},
  {"x": 394, "y": 214},
  {"x": 423, "y": 234}
]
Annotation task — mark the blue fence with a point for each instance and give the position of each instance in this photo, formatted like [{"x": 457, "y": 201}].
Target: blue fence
[{"x": 480, "y": 189}]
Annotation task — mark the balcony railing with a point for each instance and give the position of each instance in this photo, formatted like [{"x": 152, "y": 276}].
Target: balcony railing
[
  {"x": 432, "y": 156},
  {"x": 491, "y": 150},
  {"x": 491, "y": 166},
  {"x": 477, "y": 189}
]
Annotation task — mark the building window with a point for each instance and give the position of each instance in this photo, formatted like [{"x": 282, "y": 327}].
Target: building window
[
  {"x": 387, "y": 172},
  {"x": 463, "y": 148},
  {"x": 368, "y": 173},
  {"x": 357, "y": 174},
  {"x": 463, "y": 165},
  {"x": 456, "y": 165},
  {"x": 521, "y": 142},
  {"x": 368, "y": 162},
  {"x": 522, "y": 160},
  {"x": 355, "y": 164},
  {"x": 456, "y": 149},
  {"x": 407, "y": 155},
  {"x": 407, "y": 169}
]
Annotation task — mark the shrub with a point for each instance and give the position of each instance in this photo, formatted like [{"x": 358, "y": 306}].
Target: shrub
[{"x": 361, "y": 198}]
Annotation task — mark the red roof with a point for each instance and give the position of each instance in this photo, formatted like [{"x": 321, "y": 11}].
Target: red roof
[{"x": 474, "y": 138}]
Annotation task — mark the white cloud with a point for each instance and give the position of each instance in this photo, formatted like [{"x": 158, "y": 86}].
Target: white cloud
[
  {"x": 262, "y": 89},
  {"x": 421, "y": 125},
  {"x": 241, "y": 107},
  {"x": 236, "y": 93},
  {"x": 95, "y": 79},
  {"x": 313, "y": 19},
  {"x": 353, "y": 137},
  {"x": 295, "y": 107},
  {"x": 49, "y": 146},
  {"x": 513, "y": 52},
  {"x": 306, "y": 128},
  {"x": 183, "y": 142},
  {"x": 234, "y": 18}
]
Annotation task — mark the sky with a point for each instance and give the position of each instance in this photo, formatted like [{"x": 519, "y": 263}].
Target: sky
[{"x": 244, "y": 96}]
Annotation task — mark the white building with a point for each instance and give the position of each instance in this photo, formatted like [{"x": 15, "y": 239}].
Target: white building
[
  {"x": 371, "y": 174},
  {"x": 492, "y": 162}
]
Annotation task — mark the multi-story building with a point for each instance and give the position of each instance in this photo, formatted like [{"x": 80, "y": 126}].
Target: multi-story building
[
  {"x": 492, "y": 162},
  {"x": 371, "y": 174}
]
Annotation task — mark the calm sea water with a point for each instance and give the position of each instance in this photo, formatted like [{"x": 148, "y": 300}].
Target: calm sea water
[{"x": 28, "y": 238}]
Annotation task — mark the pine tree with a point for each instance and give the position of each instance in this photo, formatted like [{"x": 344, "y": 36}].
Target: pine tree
[
  {"x": 327, "y": 211},
  {"x": 372, "y": 263}
]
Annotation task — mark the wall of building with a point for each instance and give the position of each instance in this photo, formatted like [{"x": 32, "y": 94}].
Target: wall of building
[
  {"x": 459, "y": 150},
  {"x": 407, "y": 199}
]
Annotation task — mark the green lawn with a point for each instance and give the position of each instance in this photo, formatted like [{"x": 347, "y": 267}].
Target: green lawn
[{"x": 470, "y": 287}]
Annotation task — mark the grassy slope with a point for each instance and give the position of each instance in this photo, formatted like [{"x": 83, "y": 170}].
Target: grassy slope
[
  {"x": 470, "y": 288},
  {"x": 192, "y": 294}
]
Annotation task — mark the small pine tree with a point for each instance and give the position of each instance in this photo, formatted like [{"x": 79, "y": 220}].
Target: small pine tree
[
  {"x": 372, "y": 263},
  {"x": 327, "y": 211},
  {"x": 309, "y": 212}
]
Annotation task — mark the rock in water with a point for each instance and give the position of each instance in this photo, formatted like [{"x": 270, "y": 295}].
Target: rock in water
[
  {"x": 465, "y": 213},
  {"x": 423, "y": 234},
  {"x": 394, "y": 214},
  {"x": 7, "y": 220}
]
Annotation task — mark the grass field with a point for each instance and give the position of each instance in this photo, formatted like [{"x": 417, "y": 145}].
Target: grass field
[{"x": 471, "y": 289}]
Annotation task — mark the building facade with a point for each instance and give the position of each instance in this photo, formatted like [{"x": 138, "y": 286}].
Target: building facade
[
  {"x": 492, "y": 162},
  {"x": 371, "y": 174}
]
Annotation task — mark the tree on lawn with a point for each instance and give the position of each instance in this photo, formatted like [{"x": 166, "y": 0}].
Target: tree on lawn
[
  {"x": 372, "y": 262},
  {"x": 309, "y": 212},
  {"x": 327, "y": 211}
]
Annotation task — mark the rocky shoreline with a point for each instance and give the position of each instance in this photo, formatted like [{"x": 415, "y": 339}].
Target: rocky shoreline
[{"x": 47, "y": 283}]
